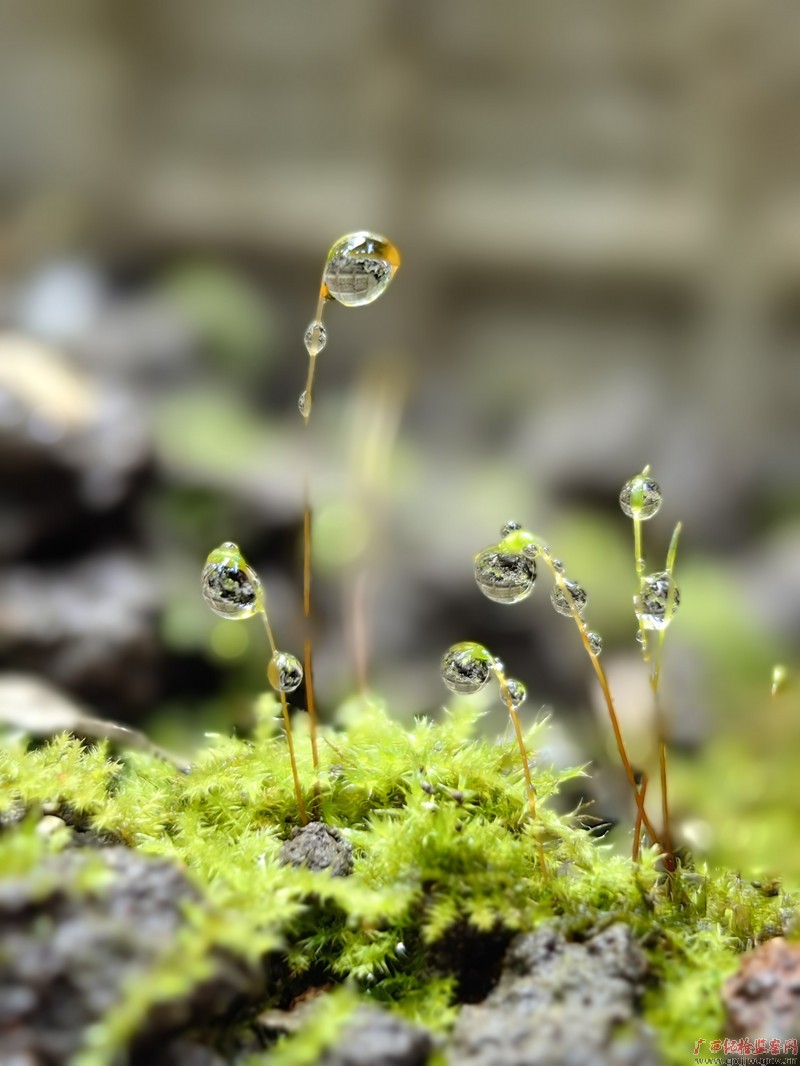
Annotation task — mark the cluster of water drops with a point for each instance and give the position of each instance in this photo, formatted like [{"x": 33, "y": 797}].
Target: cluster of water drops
[
  {"x": 358, "y": 269},
  {"x": 506, "y": 573},
  {"x": 233, "y": 590},
  {"x": 467, "y": 668}
]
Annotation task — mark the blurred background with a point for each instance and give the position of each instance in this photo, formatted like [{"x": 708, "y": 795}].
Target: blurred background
[{"x": 599, "y": 217}]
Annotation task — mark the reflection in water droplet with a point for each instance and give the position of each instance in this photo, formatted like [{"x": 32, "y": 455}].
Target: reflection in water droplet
[
  {"x": 504, "y": 577},
  {"x": 466, "y": 667},
  {"x": 359, "y": 268},
  {"x": 517, "y": 692},
  {"x": 657, "y": 601},
  {"x": 640, "y": 497},
  {"x": 568, "y": 597},
  {"x": 595, "y": 642},
  {"x": 231, "y": 588},
  {"x": 315, "y": 338},
  {"x": 284, "y": 672}
]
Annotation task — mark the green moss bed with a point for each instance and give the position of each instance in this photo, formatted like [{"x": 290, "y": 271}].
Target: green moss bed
[{"x": 444, "y": 875}]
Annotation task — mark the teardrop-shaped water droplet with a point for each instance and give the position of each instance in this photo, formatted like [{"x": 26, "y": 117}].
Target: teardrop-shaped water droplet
[
  {"x": 517, "y": 693},
  {"x": 359, "y": 268},
  {"x": 284, "y": 672},
  {"x": 557, "y": 565},
  {"x": 302, "y": 403},
  {"x": 568, "y": 597},
  {"x": 466, "y": 667},
  {"x": 657, "y": 601},
  {"x": 505, "y": 577},
  {"x": 231, "y": 587},
  {"x": 510, "y": 527},
  {"x": 595, "y": 642},
  {"x": 640, "y": 497},
  {"x": 315, "y": 338}
]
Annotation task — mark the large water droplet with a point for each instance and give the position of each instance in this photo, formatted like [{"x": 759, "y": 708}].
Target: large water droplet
[
  {"x": 466, "y": 667},
  {"x": 657, "y": 601},
  {"x": 568, "y": 597},
  {"x": 231, "y": 587},
  {"x": 517, "y": 693},
  {"x": 640, "y": 497},
  {"x": 595, "y": 642},
  {"x": 284, "y": 672},
  {"x": 315, "y": 338},
  {"x": 505, "y": 577},
  {"x": 510, "y": 527},
  {"x": 359, "y": 268}
]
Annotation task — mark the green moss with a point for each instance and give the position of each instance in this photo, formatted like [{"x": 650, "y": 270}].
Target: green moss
[{"x": 444, "y": 855}]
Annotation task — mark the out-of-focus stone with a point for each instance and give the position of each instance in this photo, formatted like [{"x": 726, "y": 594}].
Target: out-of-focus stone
[{"x": 763, "y": 998}]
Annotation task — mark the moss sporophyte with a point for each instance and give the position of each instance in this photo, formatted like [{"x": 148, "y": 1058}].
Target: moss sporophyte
[{"x": 452, "y": 844}]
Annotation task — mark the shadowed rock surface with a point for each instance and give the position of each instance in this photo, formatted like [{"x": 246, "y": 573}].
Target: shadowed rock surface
[
  {"x": 559, "y": 1004},
  {"x": 319, "y": 847},
  {"x": 377, "y": 1038},
  {"x": 67, "y": 954}
]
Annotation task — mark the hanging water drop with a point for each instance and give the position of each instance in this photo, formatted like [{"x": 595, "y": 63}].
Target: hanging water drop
[
  {"x": 595, "y": 642},
  {"x": 359, "y": 268},
  {"x": 568, "y": 597},
  {"x": 230, "y": 587},
  {"x": 504, "y": 577},
  {"x": 640, "y": 497},
  {"x": 466, "y": 667},
  {"x": 517, "y": 693},
  {"x": 315, "y": 338},
  {"x": 284, "y": 672},
  {"x": 657, "y": 601}
]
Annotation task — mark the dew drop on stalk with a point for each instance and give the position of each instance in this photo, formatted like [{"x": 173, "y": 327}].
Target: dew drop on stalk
[
  {"x": 302, "y": 403},
  {"x": 316, "y": 337},
  {"x": 517, "y": 693},
  {"x": 359, "y": 268},
  {"x": 657, "y": 601},
  {"x": 230, "y": 586},
  {"x": 510, "y": 527},
  {"x": 568, "y": 597},
  {"x": 284, "y": 672},
  {"x": 504, "y": 577},
  {"x": 595, "y": 642},
  {"x": 640, "y": 497},
  {"x": 466, "y": 667},
  {"x": 557, "y": 565}
]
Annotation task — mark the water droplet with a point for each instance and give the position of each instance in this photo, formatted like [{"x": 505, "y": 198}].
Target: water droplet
[
  {"x": 359, "y": 268},
  {"x": 641, "y": 636},
  {"x": 595, "y": 642},
  {"x": 499, "y": 665},
  {"x": 231, "y": 587},
  {"x": 517, "y": 693},
  {"x": 640, "y": 497},
  {"x": 505, "y": 577},
  {"x": 534, "y": 548},
  {"x": 568, "y": 597},
  {"x": 657, "y": 601},
  {"x": 557, "y": 565},
  {"x": 303, "y": 405},
  {"x": 466, "y": 667},
  {"x": 510, "y": 527},
  {"x": 315, "y": 338},
  {"x": 284, "y": 672}
]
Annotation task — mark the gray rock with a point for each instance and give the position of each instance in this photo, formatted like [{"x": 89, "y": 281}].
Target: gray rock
[
  {"x": 376, "y": 1038},
  {"x": 560, "y": 1003},
  {"x": 319, "y": 847},
  {"x": 67, "y": 955}
]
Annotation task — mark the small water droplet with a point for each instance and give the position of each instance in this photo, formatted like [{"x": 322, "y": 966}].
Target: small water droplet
[
  {"x": 230, "y": 587},
  {"x": 657, "y": 601},
  {"x": 302, "y": 403},
  {"x": 534, "y": 548},
  {"x": 284, "y": 672},
  {"x": 315, "y": 338},
  {"x": 510, "y": 527},
  {"x": 595, "y": 642},
  {"x": 557, "y": 565},
  {"x": 499, "y": 665},
  {"x": 641, "y": 636},
  {"x": 466, "y": 667},
  {"x": 568, "y": 597},
  {"x": 359, "y": 268},
  {"x": 640, "y": 497},
  {"x": 517, "y": 693},
  {"x": 504, "y": 577}
]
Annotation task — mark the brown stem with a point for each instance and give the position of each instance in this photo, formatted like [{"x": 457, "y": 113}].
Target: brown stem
[
  {"x": 637, "y": 829},
  {"x": 287, "y": 725}
]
